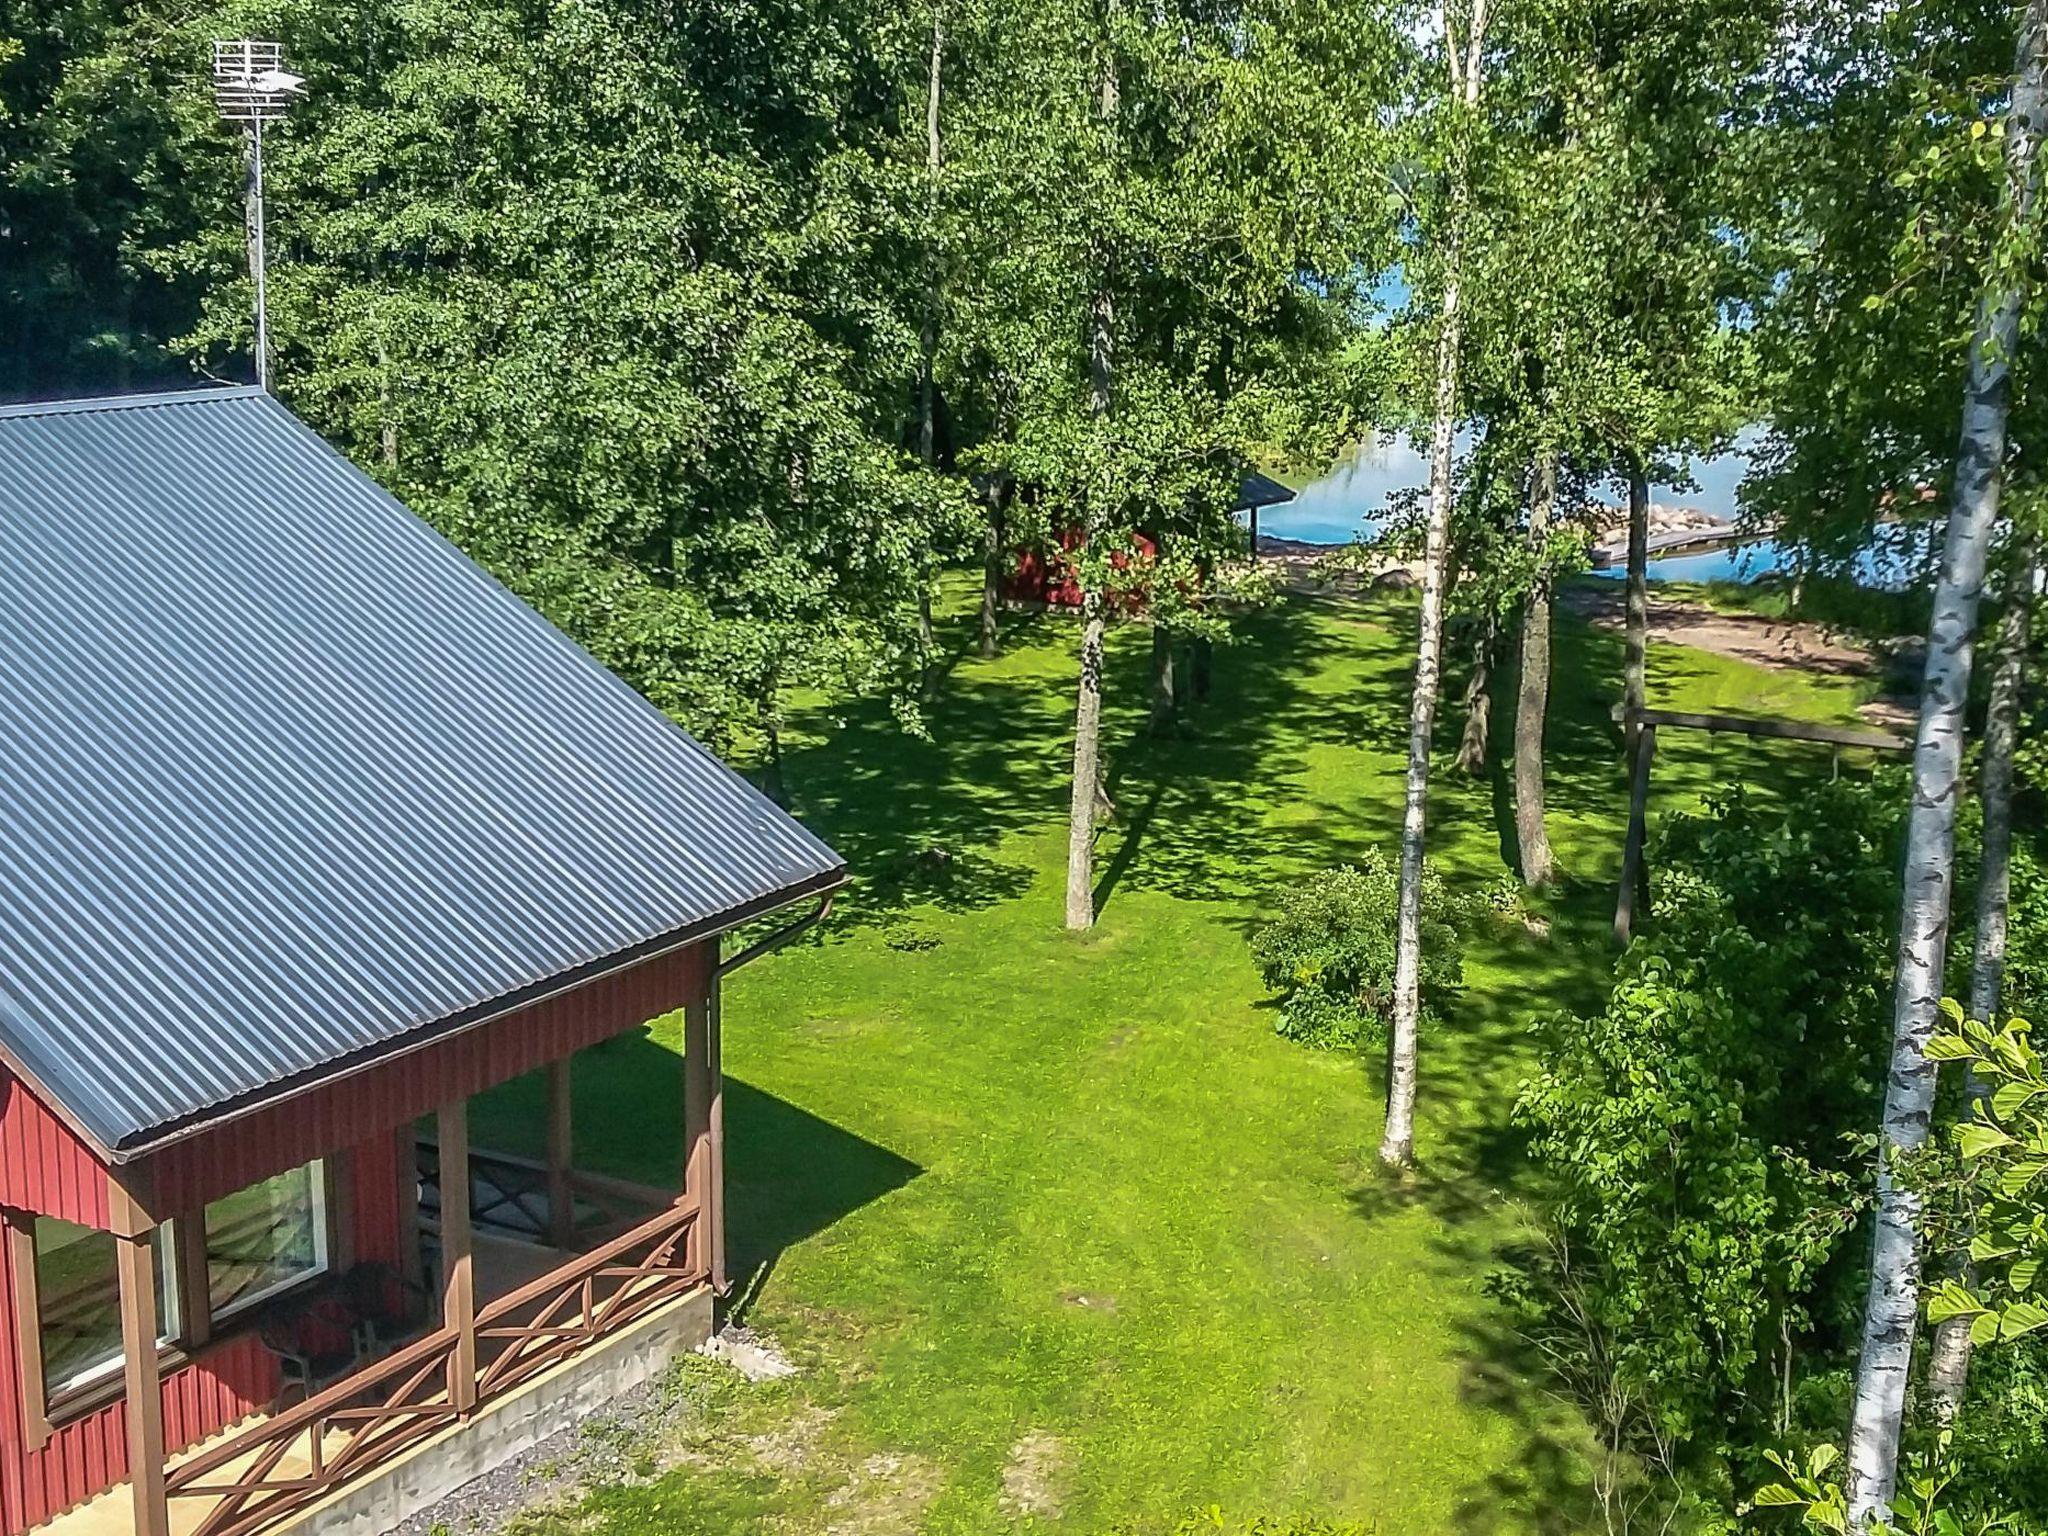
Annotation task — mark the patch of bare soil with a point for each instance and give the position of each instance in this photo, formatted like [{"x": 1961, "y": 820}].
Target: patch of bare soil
[
  {"x": 1780, "y": 644},
  {"x": 1032, "y": 1479},
  {"x": 884, "y": 1496}
]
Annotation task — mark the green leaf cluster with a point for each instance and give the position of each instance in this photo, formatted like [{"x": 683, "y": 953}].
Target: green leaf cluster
[
  {"x": 1328, "y": 956},
  {"x": 2004, "y": 1147},
  {"x": 1695, "y": 1132}
]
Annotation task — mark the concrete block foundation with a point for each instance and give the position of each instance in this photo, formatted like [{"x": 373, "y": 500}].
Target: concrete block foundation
[{"x": 459, "y": 1455}]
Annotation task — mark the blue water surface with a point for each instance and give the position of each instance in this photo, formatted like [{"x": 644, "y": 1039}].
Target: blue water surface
[{"x": 1350, "y": 503}]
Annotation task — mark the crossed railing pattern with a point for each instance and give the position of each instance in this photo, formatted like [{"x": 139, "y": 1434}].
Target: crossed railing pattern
[{"x": 278, "y": 1466}]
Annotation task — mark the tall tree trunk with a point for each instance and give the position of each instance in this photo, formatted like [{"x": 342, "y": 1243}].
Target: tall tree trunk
[
  {"x": 1948, "y": 1366},
  {"x": 387, "y": 422},
  {"x": 992, "y": 569},
  {"x": 1635, "y": 665},
  {"x": 1162, "y": 680},
  {"x": 1892, "y": 1310},
  {"x": 927, "y": 380},
  {"x": 1397, "y": 1141},
  {"x": 1472, "y": 744},
  {"x": 1087, "y": 768},
  {"x": 1532, "y": 698},
  {"x": 1088, "y": 707}
]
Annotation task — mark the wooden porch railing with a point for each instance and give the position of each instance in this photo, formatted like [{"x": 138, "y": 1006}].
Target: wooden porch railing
[
  {"x": 522, "y": 1334},
  {"x": 278, "y": 1466}
]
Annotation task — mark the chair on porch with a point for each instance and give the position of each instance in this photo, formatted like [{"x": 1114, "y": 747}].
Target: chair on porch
[
  {"x": 385, "y": 1306},
  {"x": 315, "y": 1342},
  {"x": 332, "y": 1330}
]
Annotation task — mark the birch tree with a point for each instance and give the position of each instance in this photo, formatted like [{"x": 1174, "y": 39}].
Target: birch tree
[
  {"x": 1891, "y": 1311},
  {"x": 1532, "y": 694},
  {"x": 1948, "y": 1368},
  {"x": 1466, "y": 61}
]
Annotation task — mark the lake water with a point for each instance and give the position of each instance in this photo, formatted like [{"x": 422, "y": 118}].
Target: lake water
[
  {"x": 1350, "y": 503},
  {"x": 1889, "y": 566}
]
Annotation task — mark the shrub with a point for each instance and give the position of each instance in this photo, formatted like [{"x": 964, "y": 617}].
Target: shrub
[
  {"x": 1695, "y": 1133},
  {"x": 1329, "y": 955}
]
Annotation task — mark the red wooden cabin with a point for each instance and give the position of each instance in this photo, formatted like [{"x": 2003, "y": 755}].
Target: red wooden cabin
[
  {"x": 314, "y": 832},
  {"x": 1047, "y": 578}
]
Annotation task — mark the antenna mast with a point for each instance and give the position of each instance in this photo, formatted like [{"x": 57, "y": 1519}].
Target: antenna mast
[{"x": 251, "y": 88}]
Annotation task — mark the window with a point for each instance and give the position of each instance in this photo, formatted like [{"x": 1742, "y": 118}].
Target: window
[
  {"x": 79, "y": 1299},
  {"x": 266, "y": 1237}
]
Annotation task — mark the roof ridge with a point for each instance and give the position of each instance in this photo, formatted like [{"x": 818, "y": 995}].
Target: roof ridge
[{"x": 79, "y": 407}]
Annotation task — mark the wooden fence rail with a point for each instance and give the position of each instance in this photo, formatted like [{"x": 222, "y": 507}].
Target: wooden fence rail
[
  {"x": 278, "y": 1466},
  {"x": 1641, "y": 726}
]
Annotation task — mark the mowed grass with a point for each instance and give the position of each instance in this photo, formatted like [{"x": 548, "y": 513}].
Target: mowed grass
[{"x": 1061, "y": 1232}]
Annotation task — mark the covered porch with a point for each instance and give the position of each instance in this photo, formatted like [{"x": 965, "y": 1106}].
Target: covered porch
[{"x": 535, "y": 1263}]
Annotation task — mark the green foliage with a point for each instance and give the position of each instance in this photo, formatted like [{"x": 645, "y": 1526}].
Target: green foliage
[
  {"x": 1934, "y": 1497},
  {"x": 2026, "y": 961},
  {"x": 1329, "y": 955},
  {"x": 2004, "y": 1145},
  {"x": 1872, "y": 224},
  {"x": 1211, "y": 1522},
  {"x": 1695, "y": 1128}
]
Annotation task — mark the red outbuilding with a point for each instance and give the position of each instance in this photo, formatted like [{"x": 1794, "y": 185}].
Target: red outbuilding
[{"x": 1046, "y": 578}]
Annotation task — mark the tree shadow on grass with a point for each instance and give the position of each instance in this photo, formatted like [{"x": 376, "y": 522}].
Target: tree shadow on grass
[
  {"x": 1230, "y": 812},
  {"x": 922, "y": 820}
]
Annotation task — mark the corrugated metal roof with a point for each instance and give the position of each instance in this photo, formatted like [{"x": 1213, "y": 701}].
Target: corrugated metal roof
[{"x": 289, "y": 780}]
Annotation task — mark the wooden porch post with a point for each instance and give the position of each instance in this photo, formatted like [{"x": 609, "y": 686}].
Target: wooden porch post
[
  {"x": 697, "y": 1101},
  {"x": 135, "y": 1268},
  {"x": 458, "y": 1265},
  {"x": 561, "y": 1139},
  {"x": 714, "y": 1227},
  {"x": 28, "y": 1328}
]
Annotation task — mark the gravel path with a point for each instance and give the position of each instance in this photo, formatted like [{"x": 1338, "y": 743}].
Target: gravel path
[{"x": 556, "y": 1468}]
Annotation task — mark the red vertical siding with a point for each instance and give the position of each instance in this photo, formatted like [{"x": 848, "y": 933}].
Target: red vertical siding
[
  {"x": 226, "y": 1383},
  {"x": 375, "y": 1175},
  {"x": 44, "y": 1167},
  {"x": 381, "y": 1098}
]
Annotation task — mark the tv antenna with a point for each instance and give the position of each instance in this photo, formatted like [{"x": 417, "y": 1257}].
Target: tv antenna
[{"x": 252, "y": 87}]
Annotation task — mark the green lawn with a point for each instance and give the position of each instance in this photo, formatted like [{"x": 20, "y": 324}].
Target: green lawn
[{"x": 1064, "y": 1206}]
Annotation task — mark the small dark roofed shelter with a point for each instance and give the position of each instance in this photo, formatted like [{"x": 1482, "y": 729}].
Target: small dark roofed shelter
[
  {"x": 1259, "y": 491},
  {"x": 313, "y": 831}
]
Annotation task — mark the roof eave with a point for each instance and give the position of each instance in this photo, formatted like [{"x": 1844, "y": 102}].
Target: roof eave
[{"x": 158, "y": 1138}]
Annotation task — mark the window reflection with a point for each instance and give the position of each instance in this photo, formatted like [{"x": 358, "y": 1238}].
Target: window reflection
[{"x": 266, "y": 1237}]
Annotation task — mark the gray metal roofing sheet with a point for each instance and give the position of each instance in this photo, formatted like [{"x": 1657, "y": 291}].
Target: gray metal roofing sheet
[{"x": 289, "y": 780}]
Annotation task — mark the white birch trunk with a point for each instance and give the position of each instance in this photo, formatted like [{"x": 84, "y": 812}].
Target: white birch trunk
[
  {"x": 1397, "y": 1141},
  {"x": 1892, "y": 1312},
  {"x": 1948, "y": 1365}
]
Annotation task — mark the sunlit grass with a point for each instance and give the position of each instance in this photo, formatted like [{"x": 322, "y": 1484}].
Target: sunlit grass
[{"x": 998, "y": 1186}]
